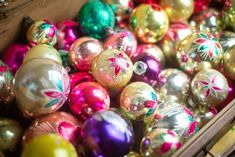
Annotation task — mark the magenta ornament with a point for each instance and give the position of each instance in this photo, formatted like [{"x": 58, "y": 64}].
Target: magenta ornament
[
  {"x": 79, "y": 77},
  {"x": 13, "y": 56},
  {"x": 87, "y": 98},
  {"x": 67, "y": 34}
]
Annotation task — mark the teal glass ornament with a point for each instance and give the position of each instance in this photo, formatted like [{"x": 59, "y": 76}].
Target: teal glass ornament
[{"x": 95, "y": 17}]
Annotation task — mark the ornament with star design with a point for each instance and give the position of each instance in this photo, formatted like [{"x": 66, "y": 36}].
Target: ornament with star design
[
  {"x": 6, "y": 84},
  {"x": 113, "y": 69},
  {"x": 209, "y": 87},
  {"x": 138, "y": 100},
  {"x": 60, "y": 123},
  {"x": 41, "y": 86},
  {"x": 199, "y": 51}
]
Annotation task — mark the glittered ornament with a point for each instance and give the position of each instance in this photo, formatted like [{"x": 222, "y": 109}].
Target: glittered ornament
[
  {"x": 201, "y": 5},
  {"x": 209, "y": 21},
  {"x": 6, "y": 84},
  {"x": 95, "y": 17},
  {"x": 122, "y": 40},
  {"x": 153, "y": 50},
  {"x": 86, "y": 98},
  {"x": 173, "y": 83},
  {"x": 10, "y": 134},
  {"x": 203, "y": 114},
  {"x": 146, "y": 26},
  {"x": 138, "y": 100},
  {"x": 209, "y": 86},
  {"x": 160, "y": 143},
  {"x": 228, "y": 16},
  {"x": 173, "y": 116},
  {"x": 43, "y": 51},
  {"x": 146, "y": 69},
  {"x": 79, "y": 77},
  {"x": 67, "y": 34},
  {"x": 113, "y": 69},
  {"x": 107, "y": 133},
  {"x": 83, "y": 51},
  {"x": 49, "y": 145},
  {"x": 121, "y": 8},
  {"x": 177, "y": 10},
  {"x": 61, "y": 123},
  {"x": 229, "y": 64},
  {"x": 42, "y": 32},
  {"x": 227, "y": 40},
  {"x": 199, "y": 51},
  {"x": 13, "y": 56},
  {"x": 175, "y": 34},
  {"x": 41, "y": 87}
]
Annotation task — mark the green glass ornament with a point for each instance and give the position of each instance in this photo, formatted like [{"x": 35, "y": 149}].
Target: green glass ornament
[{"x": 95, "y": 17}]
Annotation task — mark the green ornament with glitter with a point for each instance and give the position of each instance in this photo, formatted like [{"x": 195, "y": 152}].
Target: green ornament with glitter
[{"x": 95, "y": 18}]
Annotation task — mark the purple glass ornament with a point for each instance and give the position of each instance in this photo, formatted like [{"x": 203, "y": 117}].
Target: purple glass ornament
[
  {"x": 14, "y": 55},
  {"x": 146, "y": 69},
  {"x": 107, "y": 134},
  {"x": 67, "y": 34}
]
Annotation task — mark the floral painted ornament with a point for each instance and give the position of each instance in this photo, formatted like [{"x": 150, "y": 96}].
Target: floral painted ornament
[
  {"x": 209, "y": 87},
  {"x": 160, "y": 142},
  {"x": 173, "y": 116},
  {"x": 41, "y": 87},
  {"x": 199, "y": 51}
]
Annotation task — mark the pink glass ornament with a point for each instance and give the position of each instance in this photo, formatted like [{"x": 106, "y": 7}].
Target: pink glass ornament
[
  {"x": 87, "y": 98},
  {"x": 67, "y": 34},
  {"x": 79, "y": 77},
  {"x": 13, "y": 56},
  {"x": 200, "y": 5},
  {"x": 147, "y": 1},
  {"x": 123, "y": 40}
]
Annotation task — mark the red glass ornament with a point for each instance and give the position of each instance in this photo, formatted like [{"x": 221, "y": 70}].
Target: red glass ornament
[
  {"x": 147, "y": 1},
  {"x": 200, "y": 5},
  {"x": 79, "y": 77}
]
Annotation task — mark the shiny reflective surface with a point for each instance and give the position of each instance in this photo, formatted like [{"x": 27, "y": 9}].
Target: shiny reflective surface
[
  {"x": 209, "y": 87},
  {"x": 107, "y": 133},
  {"x": 60, "y": 123},
  {"x": 6, "y": 84},
  {"x": 122, "y": 40},
  {"x": 177, "y": 10},
  {"x": 149, "y": 23},
  {"x": 138, "y": 100},
  {"x": 83, "y": 51},
  {"x": 49, "y": 145},
  {"x": 10, "y": 134},
  {"x": 79, "y": 77},
  {"x": 173, "y": 83},
  {"x": 43, "y": 51},
  {"x": 160, "y": 143},
  {"x": 227, "y": 40},
  {"x": 42, "y": 32},
  {"x": 41, "y": 86},
  {"x": 199, "y": 51},
  {"x": 86, "y": 98},
  {"x": 228, "y": 16},
  {"x": 229, "y": 65}
]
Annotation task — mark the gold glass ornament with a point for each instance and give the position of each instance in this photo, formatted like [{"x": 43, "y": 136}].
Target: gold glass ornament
[
  {"x": 208, "y": 87},
  {"x": 178, "y": 10},
  {"x": 229, "y": 64},
  {"x": 10, "y": 134},
  {"x": 113, "y": 69},
  {"x": 43, "y": 51},
  {"x": 42, "y": 32},
  {"x": 174, "y": 85},
  {"x": 199, "y": 51},
  {"x": 149, "y": 23},
  {"x": 132, "y": 154},
  {"x": 138, "y": 100},
  {"x": 6, "y": 84},
  {"x": 41, "y": 87},
  {"x": 228, "y": 16}
]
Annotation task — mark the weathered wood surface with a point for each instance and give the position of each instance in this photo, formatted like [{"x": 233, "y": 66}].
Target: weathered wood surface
[{"x": 12, "y": 15}]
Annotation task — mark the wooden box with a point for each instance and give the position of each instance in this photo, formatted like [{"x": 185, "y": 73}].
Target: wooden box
[{"x": 11, "y": 20}]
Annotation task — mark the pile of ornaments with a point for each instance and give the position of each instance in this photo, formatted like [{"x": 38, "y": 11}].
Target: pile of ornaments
[{"x": 135, "y": 78}]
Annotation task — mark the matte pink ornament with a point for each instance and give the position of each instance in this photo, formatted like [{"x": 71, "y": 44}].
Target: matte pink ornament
[
  {"x": 87, "y": 98},
  {"x": 13, "y": 56},
  {"x": 79, "y": 77},
  {"x": 67, "y": 34}
]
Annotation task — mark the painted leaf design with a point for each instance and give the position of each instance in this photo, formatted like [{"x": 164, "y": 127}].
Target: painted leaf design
[{"x": 53, "y": 102}]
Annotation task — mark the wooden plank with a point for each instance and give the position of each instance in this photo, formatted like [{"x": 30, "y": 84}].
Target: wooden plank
[
  {"x": 209, "y": 134},
  {"x": 11, "y": 17}
]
